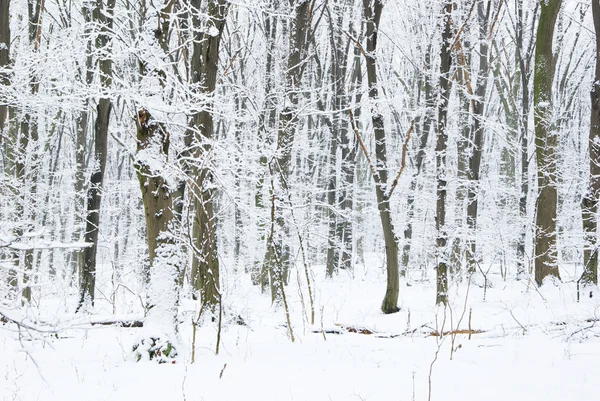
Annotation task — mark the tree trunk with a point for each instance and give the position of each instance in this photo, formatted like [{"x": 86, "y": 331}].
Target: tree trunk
[
  {"x": 158, "y": 195},
  {"x": 205, "y": 60},
  {"x": 288, "y": 124},
  {"x": 4, "y": 57},
  {"x": 87, "y": 75},
  {"x": 420, "y": 157},
  {"x": 27, "y": 175},
  {"x": 523, "y": 61},
  {"x": 103, "y": 16},
  {"x": 266, "y": 125},
  {"x": 339, "y": 254},
  {"x": 483, "y": 13},
  {"x": 440, "y": 157},
  {"x": 546, "y": 141},
  {"x": 589, "y": 205},
  {"x": 390, "y": 301},
  {"x": 457, "y": 256}
]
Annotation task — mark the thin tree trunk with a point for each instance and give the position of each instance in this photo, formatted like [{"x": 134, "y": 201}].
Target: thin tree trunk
[
  {"x": 589, "y": 206},
  {"x": 390, "y": 301},
  {"x": 457, "y": 255},
  {"x": 205, "y": 60},
  {"x": 82, "y": 127},
  {"x": 28, "y": 174},
  {"x": 266, "y": 125},
  {"x": 440, "y": 157},
  {"x": 288, "y": 124},
  {"x": 483, "y": 13},
  {"x": 4, "y": 58},
  {"x": 546, "y": 141},
  {"x": 420, "y": 157},
  {"x": 339, "y": 255},
  {"x": 103, "y": 16}
]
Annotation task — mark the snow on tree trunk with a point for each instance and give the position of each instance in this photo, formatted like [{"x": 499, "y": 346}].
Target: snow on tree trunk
[
  {"x": 546, "y": 142},
  {"x": 158, "y": 341},
  {"x": 589, "y": 207},
  {"x": 440, "y": 151}
]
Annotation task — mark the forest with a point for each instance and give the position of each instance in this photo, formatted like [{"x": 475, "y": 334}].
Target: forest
[{"x": 299, "y": 199}]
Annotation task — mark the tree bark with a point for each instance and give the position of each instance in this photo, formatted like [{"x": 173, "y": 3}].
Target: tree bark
[
  {"x": 104, "y": 16},
  {"x": 205, "y": 60},
  {"x": 158, "y": 196},
  {"x": 265, "y": 128},
  {"x": 372, "y": 11},
  {"x": 589, "y": 207},
  {"x": 86, "y": 73},
  {"x": 27, "y": 174},
  {"x": 425, "y": 128},
  {"x": 288, "y": 124},
  {"x": 523, "y": 62},
  {"x": 440, "y": 157},
  {"x": 457, "y": 256},
  {"x": 4, "y": 56},
  {"x": 339, "y": 254},
  {"x": 483, "y": 13},
  {"x": 546, "y": 141}
]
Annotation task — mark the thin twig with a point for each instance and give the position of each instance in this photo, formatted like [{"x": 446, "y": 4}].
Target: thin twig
[
  {"x": 357, "y": 43},
  {"x": 495, "y": 19},
  {"x": 462, "y": 28},
  {"x": 363, "y": 147}
]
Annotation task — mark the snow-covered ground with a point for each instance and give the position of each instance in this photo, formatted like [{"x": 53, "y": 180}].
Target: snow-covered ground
[{"x": 535, "y": 344}]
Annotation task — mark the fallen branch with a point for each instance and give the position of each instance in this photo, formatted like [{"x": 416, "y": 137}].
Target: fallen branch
[
  {"x": 455, "y": 332},
  {"x": 129, "y": 324}
]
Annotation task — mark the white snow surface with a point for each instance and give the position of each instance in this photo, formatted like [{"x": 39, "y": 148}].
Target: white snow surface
[{"x": 537, "y": 344}]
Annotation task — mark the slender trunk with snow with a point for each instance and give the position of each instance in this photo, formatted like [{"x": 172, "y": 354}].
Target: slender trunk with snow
[
  {"x": 589, "y": 207},
  {"x": 440, "y": 156},
  {"x": 103, "y": 15},
  {"x": 546, "y": 142},
  {"x": 390, "y": 301},
  {"x": 204, "y": 64},
  {"x": 4, "y": 56},
  {"x": 483, "y": 13},
  {"x": 279, "y": 257}
]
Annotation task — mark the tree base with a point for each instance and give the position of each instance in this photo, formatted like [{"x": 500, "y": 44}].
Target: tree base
[{"x": 389, "y": 308}]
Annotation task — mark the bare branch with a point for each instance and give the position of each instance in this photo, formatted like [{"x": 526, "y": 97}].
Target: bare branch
[
  {"x": 363, "y": 147},
  {"x": 403, "y": 163},
  {"x": 357, "y": 43}
]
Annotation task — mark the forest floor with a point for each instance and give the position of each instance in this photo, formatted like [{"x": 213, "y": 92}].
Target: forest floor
[{"x": 512, "y": 341}]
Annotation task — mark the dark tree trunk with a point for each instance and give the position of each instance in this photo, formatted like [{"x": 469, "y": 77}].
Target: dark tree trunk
[
  {"x": 339, "y": 254},
  {"x": 86, "y": 73},
  {"x": 440, "y": 157},
  {"x": 372, "y": 11},
  {"x": 279, "y": 257},
  {"x": 4, "y": 57},
  {"x": 265, "y": 129},
  {"x": 523, "y": 61},
  {"x": 457, "y": 255},
  {"x": 425, "y": 128},
  {"x": 205, "y": 61},
  {"x": 483, "y": 13},
  {"x": 103, "y": 16},
  {"x": 546, "y": 141},
  {"x": 589, "y": 205},
  {"x": 27, "y": 175}
]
